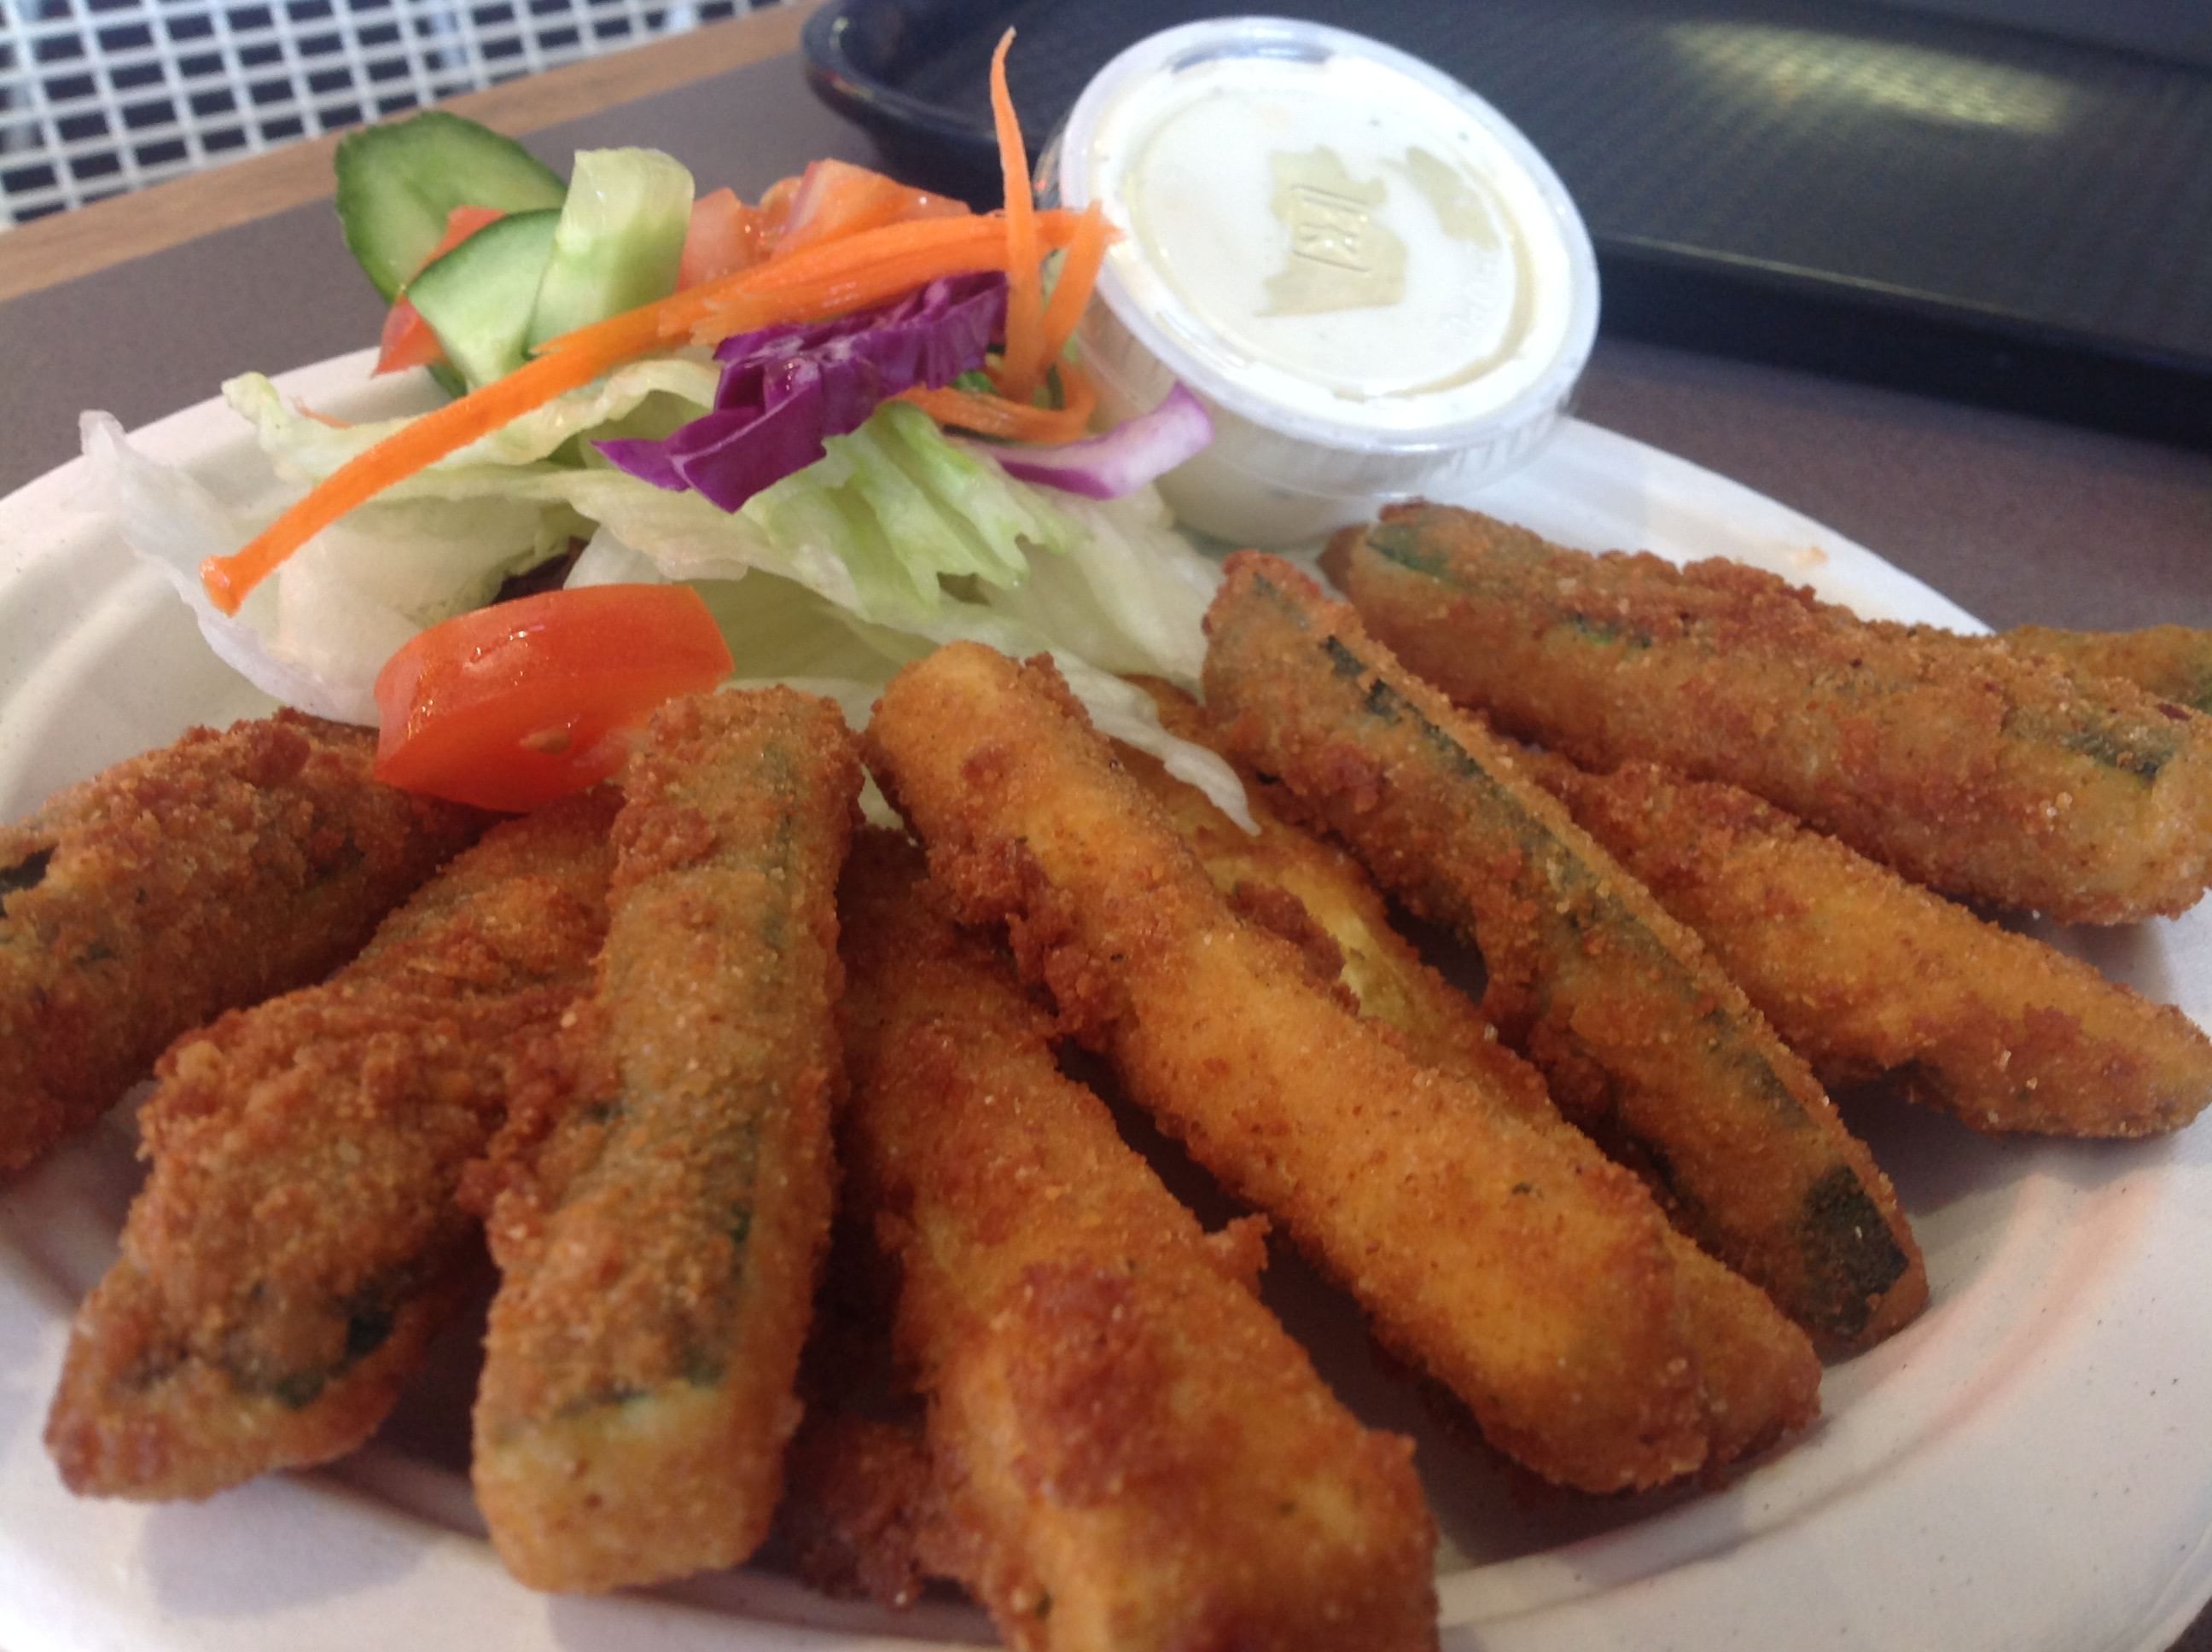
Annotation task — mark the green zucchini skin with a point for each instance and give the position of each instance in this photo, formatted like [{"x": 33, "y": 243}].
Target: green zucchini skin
[
  {"x": 1642, "y": 1037},
  {"x": 2171, "y": 662},
  {"x": 299, "y": 1241},
  {"x": 658, "y": 1250},
  {"x": 1988, "y": 773},
  {"x": 1875, "y": 979},
  {"x": 201, "y": 877}
]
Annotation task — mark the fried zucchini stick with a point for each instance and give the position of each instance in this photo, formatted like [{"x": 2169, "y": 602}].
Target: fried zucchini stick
[
  {"x": 194, "y": 880},
  {"x": 1761, "y": 1377},
  {"x": 659, "y": 1254},
  {"x": 1868, "y": 976},
  {"x": 1983, "y": 772},
  {"x": 1531, "y": 1277},
  {"x": 298, "y": 1243},
  {"x": 2171, "y": 662},
  {"x": 1640, "y": 1035},
  {"x": 1142, "y": 1456}
]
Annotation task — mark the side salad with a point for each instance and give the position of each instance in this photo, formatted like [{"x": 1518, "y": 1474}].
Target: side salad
[{"x": 804, "y": 439}]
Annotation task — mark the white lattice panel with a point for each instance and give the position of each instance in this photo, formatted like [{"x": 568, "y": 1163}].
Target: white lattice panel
[{"x": 102, "y": 96}]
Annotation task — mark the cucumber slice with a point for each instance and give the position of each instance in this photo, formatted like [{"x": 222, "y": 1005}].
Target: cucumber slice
[
  {"x": 396, "y": 183},
  {"x": 620, "y": 241},
  {"x": 478, "y": 297}
]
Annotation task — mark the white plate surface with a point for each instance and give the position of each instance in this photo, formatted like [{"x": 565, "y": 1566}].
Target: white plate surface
[{"x": 2028, "y": 1466}]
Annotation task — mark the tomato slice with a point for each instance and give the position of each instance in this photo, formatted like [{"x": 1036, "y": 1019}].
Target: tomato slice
[
  {"x": 835, "y": 199},
  {"x": 775, "y": 207},
  {"x": 408, "y": 341},
  {"x": 512, "y": 706},
  {"x": 725, "y": 237}
]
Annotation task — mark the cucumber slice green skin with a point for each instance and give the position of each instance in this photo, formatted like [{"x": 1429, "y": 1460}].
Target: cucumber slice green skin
[
  {"x": 620, "y": 242},
  {"x": 477, "y": 298},
  {"x": 397, "y": 182}
]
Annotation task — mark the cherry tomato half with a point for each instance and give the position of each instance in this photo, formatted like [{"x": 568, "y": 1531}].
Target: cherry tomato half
[
  {"x": 835, "y": 199},
  {"x": 515, "y": 705},
  {"x": 725, "y": 237}
]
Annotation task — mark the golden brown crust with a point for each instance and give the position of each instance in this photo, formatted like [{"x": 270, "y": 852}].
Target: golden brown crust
[
  {"x": 1761, "y": 1377},
  {"x": 1531, "y": 1278},
  {"x": 861, "y": 1514},
  {"x": 197, "y": 879},
  {"x": 659, "y": 1252},
  {"x": 1138, "y": 1454},
  {"x": 297, "y": 1243},
  {"x": 1868, "y": 976},
  {"x": 1987, "y": 772},
  {"x": 2171, "y": 662},
  {"x": 1637, "y": 1033}
]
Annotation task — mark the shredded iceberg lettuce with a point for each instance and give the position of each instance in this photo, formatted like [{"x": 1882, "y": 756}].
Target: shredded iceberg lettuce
[
  {"x": 305, "y": 448},
  {"x": 778, "y": 630},
  {"x": 316, "y": 635},
  {"x": 896, "y": 540},
  {"x": 1131, "y": 599},
  {"x": 903, "y": 510}
]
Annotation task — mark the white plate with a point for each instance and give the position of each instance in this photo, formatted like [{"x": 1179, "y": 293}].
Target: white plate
[{"x": 2028, "y": 1466}]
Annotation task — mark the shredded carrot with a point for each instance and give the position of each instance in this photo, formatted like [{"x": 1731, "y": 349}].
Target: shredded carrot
[
  {"x": 423, "y": 442},
  {"x": 833, "y": 284},
  {"x": 1024, "y": 361},
  {"x": 918, "y": 236},
  {"x": 995, "y": 415},
  {"x": 1079, "y": 274},
  {"x": 862, "y": 268}
]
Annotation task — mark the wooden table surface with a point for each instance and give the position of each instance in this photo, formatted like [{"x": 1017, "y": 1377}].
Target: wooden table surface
[{"x": 2016, "y": 519}]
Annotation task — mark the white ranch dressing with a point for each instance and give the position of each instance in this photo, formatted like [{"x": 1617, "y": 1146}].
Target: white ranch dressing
[{"x": 1371, "y": 277}]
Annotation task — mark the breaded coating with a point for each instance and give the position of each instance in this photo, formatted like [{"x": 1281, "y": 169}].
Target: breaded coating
[
  {"x": 658, "y": 1254},
  {"x": 298, "y": 1244},
  {"x": 1145, "y": 1459},
  {"x": 861, "y": 1514},
  {"x": 1762, "y": 1379},
  {"x": 2169, "y": 662},
  {"x": 1529, "y": 1278},
  {"x": 197, "y": 879},
  {"x": 1333, "y": 912},
  {"x": 1640, "y": 1037},
  {"x": 1868, "y": 976},
  {"x": 1986, "y": 773}
]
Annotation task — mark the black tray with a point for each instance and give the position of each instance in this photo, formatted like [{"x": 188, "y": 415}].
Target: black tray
[{"x": 1964, "y": 209}]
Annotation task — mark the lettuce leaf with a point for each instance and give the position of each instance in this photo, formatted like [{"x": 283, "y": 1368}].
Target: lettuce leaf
[
  {"x": 903, "y": 510},
  {"x": 1129, "y": 598},
  {"x": 895, "y": 541},
  {"x": 778, "y": 630},
  {"x": 317, "y": 632},
  {"x": 305, "y": 449}
]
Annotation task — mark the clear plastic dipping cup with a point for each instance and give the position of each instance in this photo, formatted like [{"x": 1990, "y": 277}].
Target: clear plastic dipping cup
[{"x": 1377, "y": 286}]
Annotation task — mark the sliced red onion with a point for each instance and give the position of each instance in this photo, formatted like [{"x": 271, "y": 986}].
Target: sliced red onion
[
  {"x": 785, "y": 390},
  {"x": 1122, "y": 460}
]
